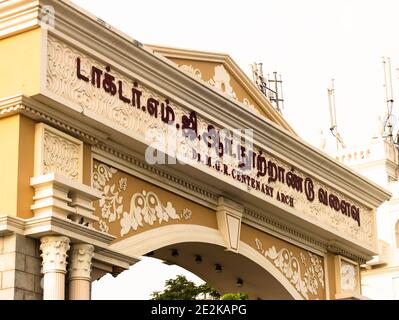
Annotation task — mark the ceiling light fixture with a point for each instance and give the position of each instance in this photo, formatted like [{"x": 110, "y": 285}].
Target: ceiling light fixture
[{"x": 198, "y": 258}]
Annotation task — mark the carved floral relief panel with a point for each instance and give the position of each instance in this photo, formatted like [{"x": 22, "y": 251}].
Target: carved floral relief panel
[
  {"x": 347, "y": 276},
  {"x": 302, "y": 268},
  {"x": 130, "y": 205},
  {"x": 57, "y": 152}
]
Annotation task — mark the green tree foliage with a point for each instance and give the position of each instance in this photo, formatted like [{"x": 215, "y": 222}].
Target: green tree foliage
[
  {"x": 235, "y": 296},
  {"x": 182, "y": 289}
]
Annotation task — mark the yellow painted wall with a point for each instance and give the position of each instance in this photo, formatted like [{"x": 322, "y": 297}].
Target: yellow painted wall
[
  {"x": 16, "y": 165},
  {"x": 20, "y": 64},
  {"x": 9, "y": 132},
  {"x": 25, "y": 166},
  {"x": 87, "y": 164},
  {"x": 331, "y": 275}
]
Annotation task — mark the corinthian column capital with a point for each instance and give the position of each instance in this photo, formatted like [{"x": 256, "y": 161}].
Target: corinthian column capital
[
  {"x": 80, "y": 261},
  {"x": 54, "y": 253}
]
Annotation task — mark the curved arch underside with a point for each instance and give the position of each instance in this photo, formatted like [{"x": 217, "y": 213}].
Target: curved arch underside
[{"x": 261, "y": 280}]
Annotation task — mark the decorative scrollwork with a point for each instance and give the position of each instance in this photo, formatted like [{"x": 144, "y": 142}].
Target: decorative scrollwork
[
  {"x": 246, "y": 102},
  {"x": 314, "y": 272},
  {"x": 289, "y": 265},
  {"x": 196, "y": 73},
  {"x": 111, "y": 203},
  {"x": 348, "y": 277},
  {"x": 101, "y": 175},
  {"x": 145, "y": 207},
  {"x": 221, "y": 81},
  {"x": 60, "y": 156}
]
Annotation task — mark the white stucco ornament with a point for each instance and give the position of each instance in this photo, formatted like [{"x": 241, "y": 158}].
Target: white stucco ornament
[
  {"x": 221, "y": 80},
  {"x": 80, "y": 261},
  {"x": 54, "y": 254},
  {"x": 348, "y": 277},
  {"x": 144, "y": 208}
]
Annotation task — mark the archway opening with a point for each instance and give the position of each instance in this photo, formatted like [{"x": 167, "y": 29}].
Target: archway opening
[{"x": 226, "y": 271}]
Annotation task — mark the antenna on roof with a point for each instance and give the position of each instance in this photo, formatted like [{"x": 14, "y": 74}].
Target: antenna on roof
[
  {"x": 271, "y": 87},
  {"x": 333, "y": 116},
  {"x": 388, "y": 123}
]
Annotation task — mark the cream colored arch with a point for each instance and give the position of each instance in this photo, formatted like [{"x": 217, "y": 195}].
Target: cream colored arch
[{"x": 167, "y": 235}]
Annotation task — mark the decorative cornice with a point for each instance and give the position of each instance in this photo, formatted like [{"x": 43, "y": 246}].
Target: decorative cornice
[
  {"x": 114, "y": 257},
  {"x": 17, "y": 16},
  {"x": 59, "y": 123},
  {"x": 10, "y": 224},
  {"x": 337, "y": 249},
  {"x": 298, "y": 238},
  {"x": 159, "y": 172},
  {"x": 36, "y": 227},
  {"x": 38, "y": 111},
  {"x": 283, "y": 229}
]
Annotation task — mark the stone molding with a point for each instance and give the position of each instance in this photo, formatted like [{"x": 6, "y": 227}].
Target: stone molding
[
  {"x": 38, "y": 111},
  {"x": 59, "y": 196},
  {"x": 19, "y": 16}
]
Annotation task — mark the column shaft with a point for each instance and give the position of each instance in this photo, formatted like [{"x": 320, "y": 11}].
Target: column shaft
[
  {"x": 79, "y": 289},
  {"x": 54, "y": 286}
]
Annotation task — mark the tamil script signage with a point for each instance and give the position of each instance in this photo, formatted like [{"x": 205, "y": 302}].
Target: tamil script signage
[{"x": 192, "y": 139}]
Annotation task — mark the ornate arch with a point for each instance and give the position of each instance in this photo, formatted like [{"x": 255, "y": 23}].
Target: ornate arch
[{"x": 167, "y": 235}]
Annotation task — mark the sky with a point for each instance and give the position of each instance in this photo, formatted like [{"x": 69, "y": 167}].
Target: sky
[{"x": 308, "y": 42}]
